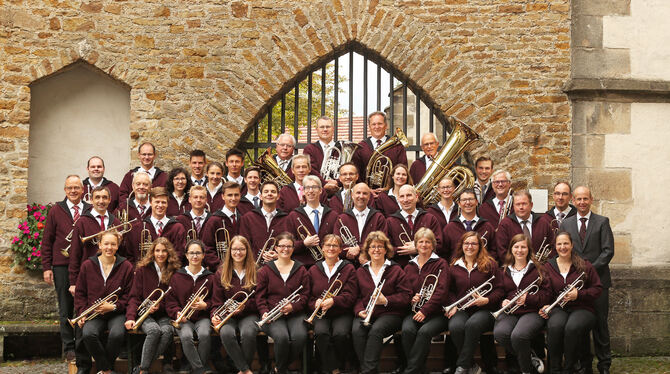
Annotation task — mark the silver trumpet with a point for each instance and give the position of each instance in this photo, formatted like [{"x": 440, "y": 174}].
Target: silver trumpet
[
  {"x": 576, "y": 284},
  {"x": 315, "y": 251},
  {"x": 404, "y": 237},
  {"x": 427, "y": 289},
  {"x": 512, "y": 306},
  {"x": 229, "y": 308},
  {"x": 267, "y": 247},
  {"x": 66, "y": 251},
  {"x": 543, "y": 253},
  {"x": 486, "y": 242},
  {"x": 370, "y": 308},
  {"x": 347, "y": 237},
  {"x": 275, "y": 313},
  {"x": 469, "y": 298}
]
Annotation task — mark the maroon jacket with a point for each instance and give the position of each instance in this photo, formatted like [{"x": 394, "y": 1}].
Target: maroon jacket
[
  {"x": 246, "y": 206},
  {"x": 453, "y": 232},
  {"x": 87, "y": 225},
  {"x": 585, "y": 297},
  {"x": 363, "y": 153},
  {"x": 375, "y": 221},
  {"x": 315, "y": 153},
  {"x": 91, "y": 286},
  {"x": 415, "y": 278},
  {"x": 435, "y": 210},
  {"x": 113, "y": 191},
  {"x": 187, "y": 221},
  {"x": 174, "y": 208},
  {"x": 396, "y": 290},
  {"x": 490, "y": 212},
  {"x": 271, "y": 288},
  {"x": 288, "y": 198},
  {"x": 145, "y": 282},
  {"x": 418, "y": 169},
  {"x": 460, "y": 283},
  {"x": 221, "y": 295},
  {"x": 215, "y": 202},
  {"x": 133, "y": 211},
  {"x": 397, "y": 225},
  {"x": 173, "y": 231},
  {"x": 510, "y": 226},
  {"x": 490, "y": 193},
  {"x": 327, "y": 222},
  {"x": 183, "y": 287},
  {"x": 319, "y": 283},
  {"x": 255, "y": 229},
  {"x": 550, "y": 217},
  {"x": 160, "y": 179},
  {"x": 533, "y": 301},
  {"x": 335, "y": 202},
  {"x": 214, "y": 222},
  {"x": 57, "y": 226},
  {"x": 386, "y": 204}
]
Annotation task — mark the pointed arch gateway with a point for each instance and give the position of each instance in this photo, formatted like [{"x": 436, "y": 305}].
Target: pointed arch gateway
[{"x": 347, "y": 84}]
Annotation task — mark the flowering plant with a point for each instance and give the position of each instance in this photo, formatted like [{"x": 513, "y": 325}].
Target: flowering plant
[{"x": 26, "y": 245}]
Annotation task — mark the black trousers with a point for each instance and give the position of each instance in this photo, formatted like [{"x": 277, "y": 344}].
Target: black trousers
[
  {"x": 601, "y": 332},
  {"x": 65, "y": 305},
  {"x": 242, "y": 352},
  {"x": 516, "y": 333},
  {"x": 566, "y": 330},
  {"x": 106, "y": 354},
  {"x": 416, "y": 338},
  {"x": 290, "y": 336},
  {"x": 465, "y": 331},
  {"x": 369, "y": 341},
  {"x": 331, "y": 337}
]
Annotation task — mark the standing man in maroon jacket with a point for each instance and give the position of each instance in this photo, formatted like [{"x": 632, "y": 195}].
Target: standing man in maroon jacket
[
  {"x": 258, "y": 224},
  {"x": 96, "y": 178},
  {"x": 198, "y": 216},
  {"x": 147, "y": 154},
  {"x": 59, "y": 223},
  {"x": 234, "y": 163},
  {"x": 228, "y": 217},
  {"x": 317, "y": 150},
  {"x": 251, "y": 197},
  {"x": 292, "y": 195},
  {"x": 467, "y": 221},
  {"x": 483, "y": 187},
  {"x": 285, "y": 147},
  {"x": 137, "y": 205},
  {"x": 492, "y": 209},
  {"x": 429, "y": 146},
  {"x": 197, "y": 162}
]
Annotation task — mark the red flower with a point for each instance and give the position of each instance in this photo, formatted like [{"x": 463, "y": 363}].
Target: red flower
[{"x": 40, "y": 225}]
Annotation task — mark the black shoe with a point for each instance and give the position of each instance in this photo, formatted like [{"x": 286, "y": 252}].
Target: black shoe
[
  {"x": 604, "y": 371},
  {"x": 83, "y": 371},
  {"x": 398, "y": 370},
  {"x": 265, "y": 368},
  {"x": 448, "y": 371}
]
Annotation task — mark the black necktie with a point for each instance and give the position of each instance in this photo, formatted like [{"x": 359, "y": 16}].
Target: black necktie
[
  {"x": 468, "y": 225},
  {"x": 582, "y": 229}
]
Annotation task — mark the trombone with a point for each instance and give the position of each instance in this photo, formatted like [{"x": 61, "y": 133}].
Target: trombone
[
  {"x": 315, "y": 251},
  {"x": 331, "y": 292},
  {"x": 512, "y": 306},
  {"x": 427, "y": 289},
  {"x": 576, "y": 284},
  {"x": 145, "y": 240},
  {"x": 370, "y": 308},
  {"x": 347, "y": 237},
  {"x": 267, "y": 247},
  {"x": 229, "y": 308},
  {"x": 470, "y": 298},
  {"x": 275, "y": 313},
  {"x": 189, "y": 308},
  {"x": 90, "y": 313},
  {"x": 95, "y": 237},
  {"x": 222, "y": 245},
  {"x": 145, "y": 308}
]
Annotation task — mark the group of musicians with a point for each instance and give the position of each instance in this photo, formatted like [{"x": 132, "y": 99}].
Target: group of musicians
[{"x": 194, "y": 251}]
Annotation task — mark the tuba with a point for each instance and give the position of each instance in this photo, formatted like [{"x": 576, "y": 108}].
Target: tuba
[
  {"x": 333, "y": 158},
  {"x": 427, "y": 289},
  {"x": 379, "y": 166},
  {"x": 459, "y": 140},
  {"x": 271, "y": 170},
  {"x": 222, "y": 245}
]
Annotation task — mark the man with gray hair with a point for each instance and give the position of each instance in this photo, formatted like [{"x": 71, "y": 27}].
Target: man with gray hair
[
  {"x": 498, "y": 207},
  {"x": 317, "y": 150},
  {"x": 292, "y": 195},
  {"x": 285, "y": 146}
]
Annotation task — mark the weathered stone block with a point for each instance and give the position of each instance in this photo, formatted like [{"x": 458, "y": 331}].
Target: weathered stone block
[
  {"x": 600, "y": 63},
  {"x": 587, "y": 31},
  {"x": 600, "y": 7},
  {"x": 600, "y": 117}
]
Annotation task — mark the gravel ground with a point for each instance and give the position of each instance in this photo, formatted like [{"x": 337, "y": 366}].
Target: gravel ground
[{"x": 626, "y": 365}]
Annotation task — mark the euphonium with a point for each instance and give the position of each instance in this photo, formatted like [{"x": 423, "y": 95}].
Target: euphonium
[
  {"x": 96, "y": 236},
  {"x": 144, "y": 308},
  {"x": 315, "y": 251},
  {"x": 269, "y": 166},
  {"x": 512, "y": 305},
  {"x": 275, "y": 313},
  {"x": 459, "y": 140},
  {"x": 145, "y": 240},
  {"x": 427, "y": 289},
  {"x": 370, "y": 308},
  {"x": 189, "y": 308},
  {"x": 379, "y": 166},
  {"x": 333, "y": 158},
  {"x": 222, "y": 245},
  {"x": 469, "y": 298},
  {"x": 229, "y": 308},
  {"x": 332, "y": 291},
  {"x": 347, "y": 237},
  {"x": 267, "y": 246},
  {"x": 576, "y": 284},
  {"x": 90, "y": 313}
]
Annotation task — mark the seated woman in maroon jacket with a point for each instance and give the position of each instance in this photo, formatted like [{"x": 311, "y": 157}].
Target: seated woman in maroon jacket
[
  {"x": 186, "y": 283},
  {"x": 516, "y": 329},
  {"x": 236, "y": 279},
  {"x": 333, "y": 321},
  {"x": 387, "y": 201},
  {"x": 99, "y": 277},
  {"x": 426, "y": 319},
  {"x": 277, "y": 280},
  {"x": 178, "y": 184},
  {"x": 153, "y": 272},
  {"x": 384, "y": 316},
  {"x": 472, "y": 267},
  {"x": 569, "y": 324}
]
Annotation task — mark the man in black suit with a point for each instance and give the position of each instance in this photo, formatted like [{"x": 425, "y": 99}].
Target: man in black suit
[{"x": 593, "y": 240}]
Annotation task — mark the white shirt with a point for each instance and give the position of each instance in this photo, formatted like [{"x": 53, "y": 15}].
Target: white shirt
[
  {"x": 310, "y": 212},
  {"x": 579, "y": 220},
  {"x": 239, "y": 179},
  {"x": 178, "y": 198},
  {"x": 194, "y": 276},
  {"x": 446, "y": 211},
  {"x": 70, "y": 206},
  {"x": 376, "y": 278},
  {"x": 202, "y": 217},
  {"x": 529, "y": 224},
  {"x": 138, "y": 205},
  {"x": 297, "y": 188},
  {"x": 517, "y": 275},
  {"x": 104, "y": 215},
  {"x": 284, "y": 276},
  {"x": 93, "y": 186},
  {"x": 405, "y": 215},
  {"x": 102, "y": 271},
  {"x": 416, "y": 258},
  {"x": 565, "y": 212},
  {"x": 151, "y": 172},
  {"x": 463, "y": 219},
  {"x": 240, "y": 274},
  {"x": 158, "y": 271},
  {"x": 460, "y": 262},
  {"x": 496, "y": 202},
  {"x": 250, "y": 197},
  {"x": 282, "y": 163},
  {"x": 360, "y": 218},
  {"x": 155, "y": 221},
  {"x": 198, "y": 182},
  {"x": 216, "y": 189},
  {"x": 325, "y": 146},
  {"x": 229, "y": 213},
  {"x": 269, "y": 216},
  {"x": 482, "y": 189},
  {"x": 429, "y": 161},
  {"x": 328, "y": 272},
  {"x": 374, "y": 141}
]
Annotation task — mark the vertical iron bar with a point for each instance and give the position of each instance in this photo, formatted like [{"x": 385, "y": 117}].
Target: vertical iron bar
[
  {"x": 379, "y": 88},
  {"x": 283, "y": 113},
  {"x": 309, "y": 108},
  {"x": 296, "y": 112},
  {"x": 336, "y": 88},
  {"x": 323, "y": 90},
  {"x": 430, "y": 121},
  {"x": 351, "y": 95},
  {"x": 270, "y": 124},
  {"x": 404, "y": 107},
  {"x": 365, "y": 97},
  {"x": 391, "y": 102},
  {"x": 256, "y": 141},
  {"x": 417, "y": 122}
]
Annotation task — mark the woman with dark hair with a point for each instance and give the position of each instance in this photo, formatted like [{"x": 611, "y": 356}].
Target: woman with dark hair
[
  {"x": 214, "y": 186},
  {"x": 471, "y": 267},
  {"x": 99, "y": 277},
  {"x": 568, "y": 325},
  {"x": 515, "y": 330},
  {"x": 178, "y": 185},
  {"x": 153, "y": 272},
  {"x": 392, "y": 301},
  {"x": 237, "y": 274},
  {"x": 277, "y": 280},
  {"x": 386, "y": 201}
]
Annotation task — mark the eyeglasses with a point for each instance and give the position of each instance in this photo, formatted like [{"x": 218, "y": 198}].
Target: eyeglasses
[
  {"x": 307, "y": 188},
  {"x": 284, "y": 145},
  {"x": 194, "y": 254},
  {"x": 285, "y": 246},
  {"x": 446, "y": 187},
  {"x": 471, "y": 244},
  {"x": 179, "y": 179},
  {"x": 331, "y": 245},
  {"x": 561, "y": 194},
  {"x": 500, "y": 183},
  {"x": 467, "y": 199},
  {"x": 377, "y": 247},
  {"x": 238, "y": 249}
]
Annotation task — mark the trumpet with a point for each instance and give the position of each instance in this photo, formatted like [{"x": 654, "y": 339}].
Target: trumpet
[
  {"x": 370, "y": 308},
  {"x": 145, "y": 240},
  {"x": 334, "y": 157},
  {"x": 90, "y": 313},
  {"x": 331, "y": 292},
  {"x": 576, "y": 284},
  {"x": 486, "y": 242},
  {"x": 543, "y": 253},
  {"x": 404, "y": 237},
  {"x": 96, "y": 237},
  {"x": 144, "y": 308},
  {"x": 66, "y": 251},
  {"x": 427, "y": 289},
  {"x": 379, "y": 166},
  {"x": 508, "y": 206},
  {"x": 123, "y": 214},
  {"x": 189, "y": 308},
  {"x": 315, "y": 251},
  {"x": 192, "y": 233},
  {"x": 267, "y": 247},
  {"x": 275, "y": 313},
  {"x": 222, "y": 245},
  {"x": 229, "y": 308},
  {"x": 347, "y": 237},
  {"x": 348, "y": 202},
  {"x": 512, "y": 306},
  {"x": 469, "y": 298}
]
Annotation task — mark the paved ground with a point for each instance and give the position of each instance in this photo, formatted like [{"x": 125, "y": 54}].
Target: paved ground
[{"x": 627, "y": 365}]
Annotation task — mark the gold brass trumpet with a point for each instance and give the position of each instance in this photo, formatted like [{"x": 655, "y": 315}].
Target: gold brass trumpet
[
  {"x": 331, "y": 292},
  {"x": 347, "y": 237},
  {"x": 404, "y": 237},
  {"x": 469, "y": 298},
  {"x": 192, "y": 233},
  {"x": 276, "y": 313},
  {"x": 230, "y": 307},
  {"x": 90, "y": 313},
  {"x": 222, "y": 245},
  {"x": 145, "y": 240},
  {"x": 188, "y": 309},
  {"x": 370, "y": 308},
  {"x": 560, "y": 300},
  {"x": 543, "y": 253},
  {"x": 379, "y": 166},
  {"x": 123, "y": 214},
  {"x": 315, "y": 251},
  {"x": 426, "y": 292},
  {"x": 267, "y": 247},
  {"x": 512, "y": 306},
  {"x": 126, "y": 227},
  {"x": 145, "y": 308}
]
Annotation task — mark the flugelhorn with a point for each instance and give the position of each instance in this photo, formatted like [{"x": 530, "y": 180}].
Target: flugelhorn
[
  {"x": 347, "y": 237},
  {"x": 576, "y": 284},
  {"x": 222, "y": 245},
  {"x": 469, "y": 298},
  {"x": 230, "y": 307},
  {"x": 267, "y": 247},
  {"x": 90, "y": 313},
  {"x": 124, "y": 230},
  {"x": 427, "y": 289},
  {"x": 275, "y": 313},
  {"x": 145, "y": 240},
  {"x": 370, "y": 308},
  {"x": 332, "y": 291},
  {"x": 145, "y": 308},
  {"x": 124, "y": 213},
  {"x": 315, "y": 250},
  {"x": 189, "y": 308},
  {"x": 512, "y": 306},
  {"x": 379, "y": 167},
  {"x": 333, "y": 158}
]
